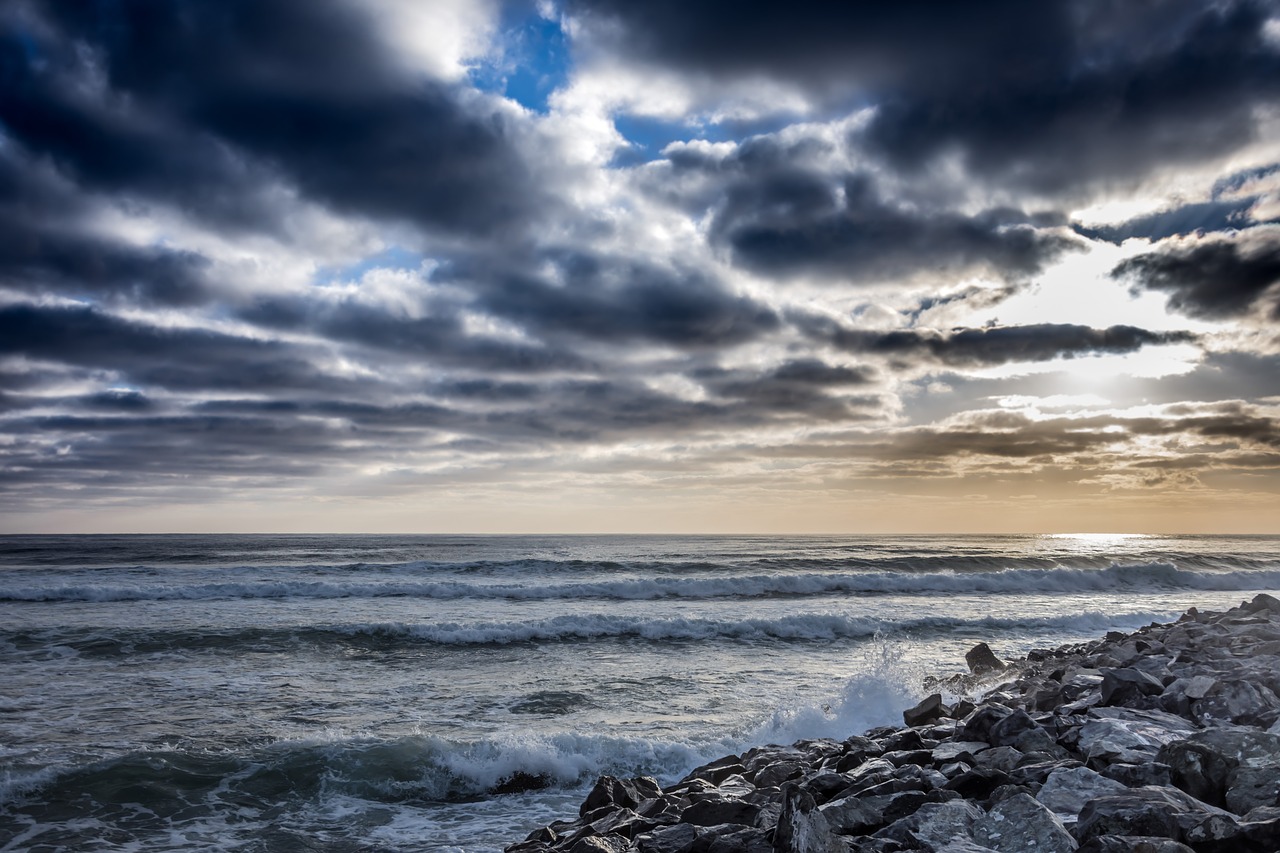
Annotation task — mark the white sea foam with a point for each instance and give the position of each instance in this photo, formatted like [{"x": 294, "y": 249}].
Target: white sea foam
[{"x": 1135, "y": 577}]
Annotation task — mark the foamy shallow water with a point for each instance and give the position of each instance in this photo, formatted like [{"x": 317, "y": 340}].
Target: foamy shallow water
[{"x": 332, "y": 693}]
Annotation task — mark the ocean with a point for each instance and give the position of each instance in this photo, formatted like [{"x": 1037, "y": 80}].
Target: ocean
[{"x": 392, "y": 693}]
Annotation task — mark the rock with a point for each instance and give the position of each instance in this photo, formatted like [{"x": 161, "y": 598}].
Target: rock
[
  {"x": 1238, "y": 769},
  {"x": 1161, "y": 812},
  {"x": 1122, "y": 686},
  {"x": 740, "y": 840},
  {"x": 718, "y": 770},
  {"x": 628, "y": 793},
  {"x": 1066, "y": 791},
  {"x": 802, "y": 827},
  {"x": 929, "y": 709},
  {"x": 1239, "y": 702},
  {"x": 1129, "y": 735},
  {"x": 1263, "y": 602},
  {"x": 1019, "y": 823},
  {"x": 853, "y": 815},
  {"x": 1007, "y": 731},
  {"x": 960, "y": 750},
  {"x": 717, "y": 812},
  {"x": 934, "y": 824},
  {"x": 598, "y": 844},
  {"x": 1133, "y": 844},
  {"x": 520, "y": 782},
  {"x": 982, "y": 660},
  {"x": 774, "y": 775},
  {"x": 679, "y": 838}
]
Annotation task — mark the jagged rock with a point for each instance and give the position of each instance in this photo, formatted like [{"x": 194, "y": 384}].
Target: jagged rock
[
  {"x": 1263, "y": 602},
  {"x": 1237, "y": 769},
  {"x": 802, "y": 827},
  {"x": 1067, "y": 790},
  {"x": 1002, "y": 758},
  {"x": 1018, "y": 823},
  {"x": 775, "y": 774},
  {"x": 1138, "y": 775},
  {"x": 1162, "y": 812},
  {"x": 598, "y": 844},
  {"x": 982, "y": 660},
  {"x": 978, "y": 783},
  {"x": 1237, "y": 702},
  {"x": 960, "y": 750},
  {"x": 678, "y": 838},
  {"x": 1133, "y": 844},
  {"x": 929, "y": 709},
  {"x": 934, "y": 824},
  {"x": 1129, "y": 735},
  {"x": 740, "y": 840},
  {"x": 717, "y": 812},
  {"x": 520, "y": 782},
  {"x": 853, "y": 815},
  {"x": 716, "y": 771},
  {"x": 1007, "y": 731},
  {"x": 1122, "y": 686},
  {"x": 627, "y": 793}
]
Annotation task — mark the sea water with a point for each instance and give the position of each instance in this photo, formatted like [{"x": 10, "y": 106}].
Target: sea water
[{"x": 335, "y": 693}]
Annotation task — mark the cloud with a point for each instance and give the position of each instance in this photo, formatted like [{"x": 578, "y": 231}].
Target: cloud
[
  {"x": 1214, "y": 277},
  {"x": 1056, "y": 98},
  {"x": 202, "y": 105},
  {"x": 995, "y": 345}
]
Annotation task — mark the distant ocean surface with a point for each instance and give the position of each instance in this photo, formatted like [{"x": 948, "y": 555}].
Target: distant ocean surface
[{"x": 342, "y": 693}]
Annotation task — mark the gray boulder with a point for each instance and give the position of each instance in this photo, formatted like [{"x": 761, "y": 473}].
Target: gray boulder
[
  {"x": 1019, "y": 823},
  {"x": 1067, "y": 790}
]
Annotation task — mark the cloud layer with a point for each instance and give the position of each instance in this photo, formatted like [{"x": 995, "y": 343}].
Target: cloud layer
[{"x": 344, "y": 255}]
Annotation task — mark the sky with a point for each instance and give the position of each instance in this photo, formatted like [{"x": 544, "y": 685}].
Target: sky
[{"x": 606, "y": 266}]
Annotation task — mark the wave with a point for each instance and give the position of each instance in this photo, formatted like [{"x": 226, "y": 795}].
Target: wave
[
  {"x": 1136, "y": 577},
  {"x": 800, "y": 628}
]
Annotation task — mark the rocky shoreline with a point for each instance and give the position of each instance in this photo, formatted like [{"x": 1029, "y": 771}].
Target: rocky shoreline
[{"x": 1158, "y": 741}]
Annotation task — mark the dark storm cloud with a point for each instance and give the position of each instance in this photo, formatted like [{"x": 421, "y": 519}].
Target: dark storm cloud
[
  {"x": 1216, "y": 277},
  {"x": 792, "y": 221},
  {"x": 177, "y": 359},
  {"x": 779, "y": 213},
  {"x": 1110, "y": 112},
  {"x": 44, "y": 252},
  {"x": 600, "y": 298},
  {"x": 196, "y": 104},
  {"x": 992, "y": 345},
  {"x": 1049, "y": 96},
  {"x": 830, "y": 48}
]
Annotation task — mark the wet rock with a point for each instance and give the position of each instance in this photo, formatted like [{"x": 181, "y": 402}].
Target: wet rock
[
  {"x": 679, "y": 838},
  {"x": 1122, "y": 686},
  {"x": 929, "y": 709},
  {"x": 740, "y": 840},
  {"x": 802, "y": 827},
  {"x": 854, "y": 815},
  {"x": 1241, "y": 702},
  {"x": 978, "y": 783},
  {"x": 599, "y": 844},
  {"x": 982, "y": 660},
  {"x": 960, "y": 750},
  {"x": 717, "y": 812},
  {"x": 520, "y": 782},
  {"x": 1133, "y": 844},
  {"x": 1129, "y": 735},
  {"x": 933, "y": 825},
  {"x": 1019, "y": 823},
  {"x": 1237, "y": 769},
  {"x": 1162, "y": 812},
  {"x": 1007, "y": 731},
  {"x": 1065, "y": 792},
  {"x": 625, "y": 793},
  {"x": 1139, "y": 775},
  {"x": 718, "y": 770}
]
